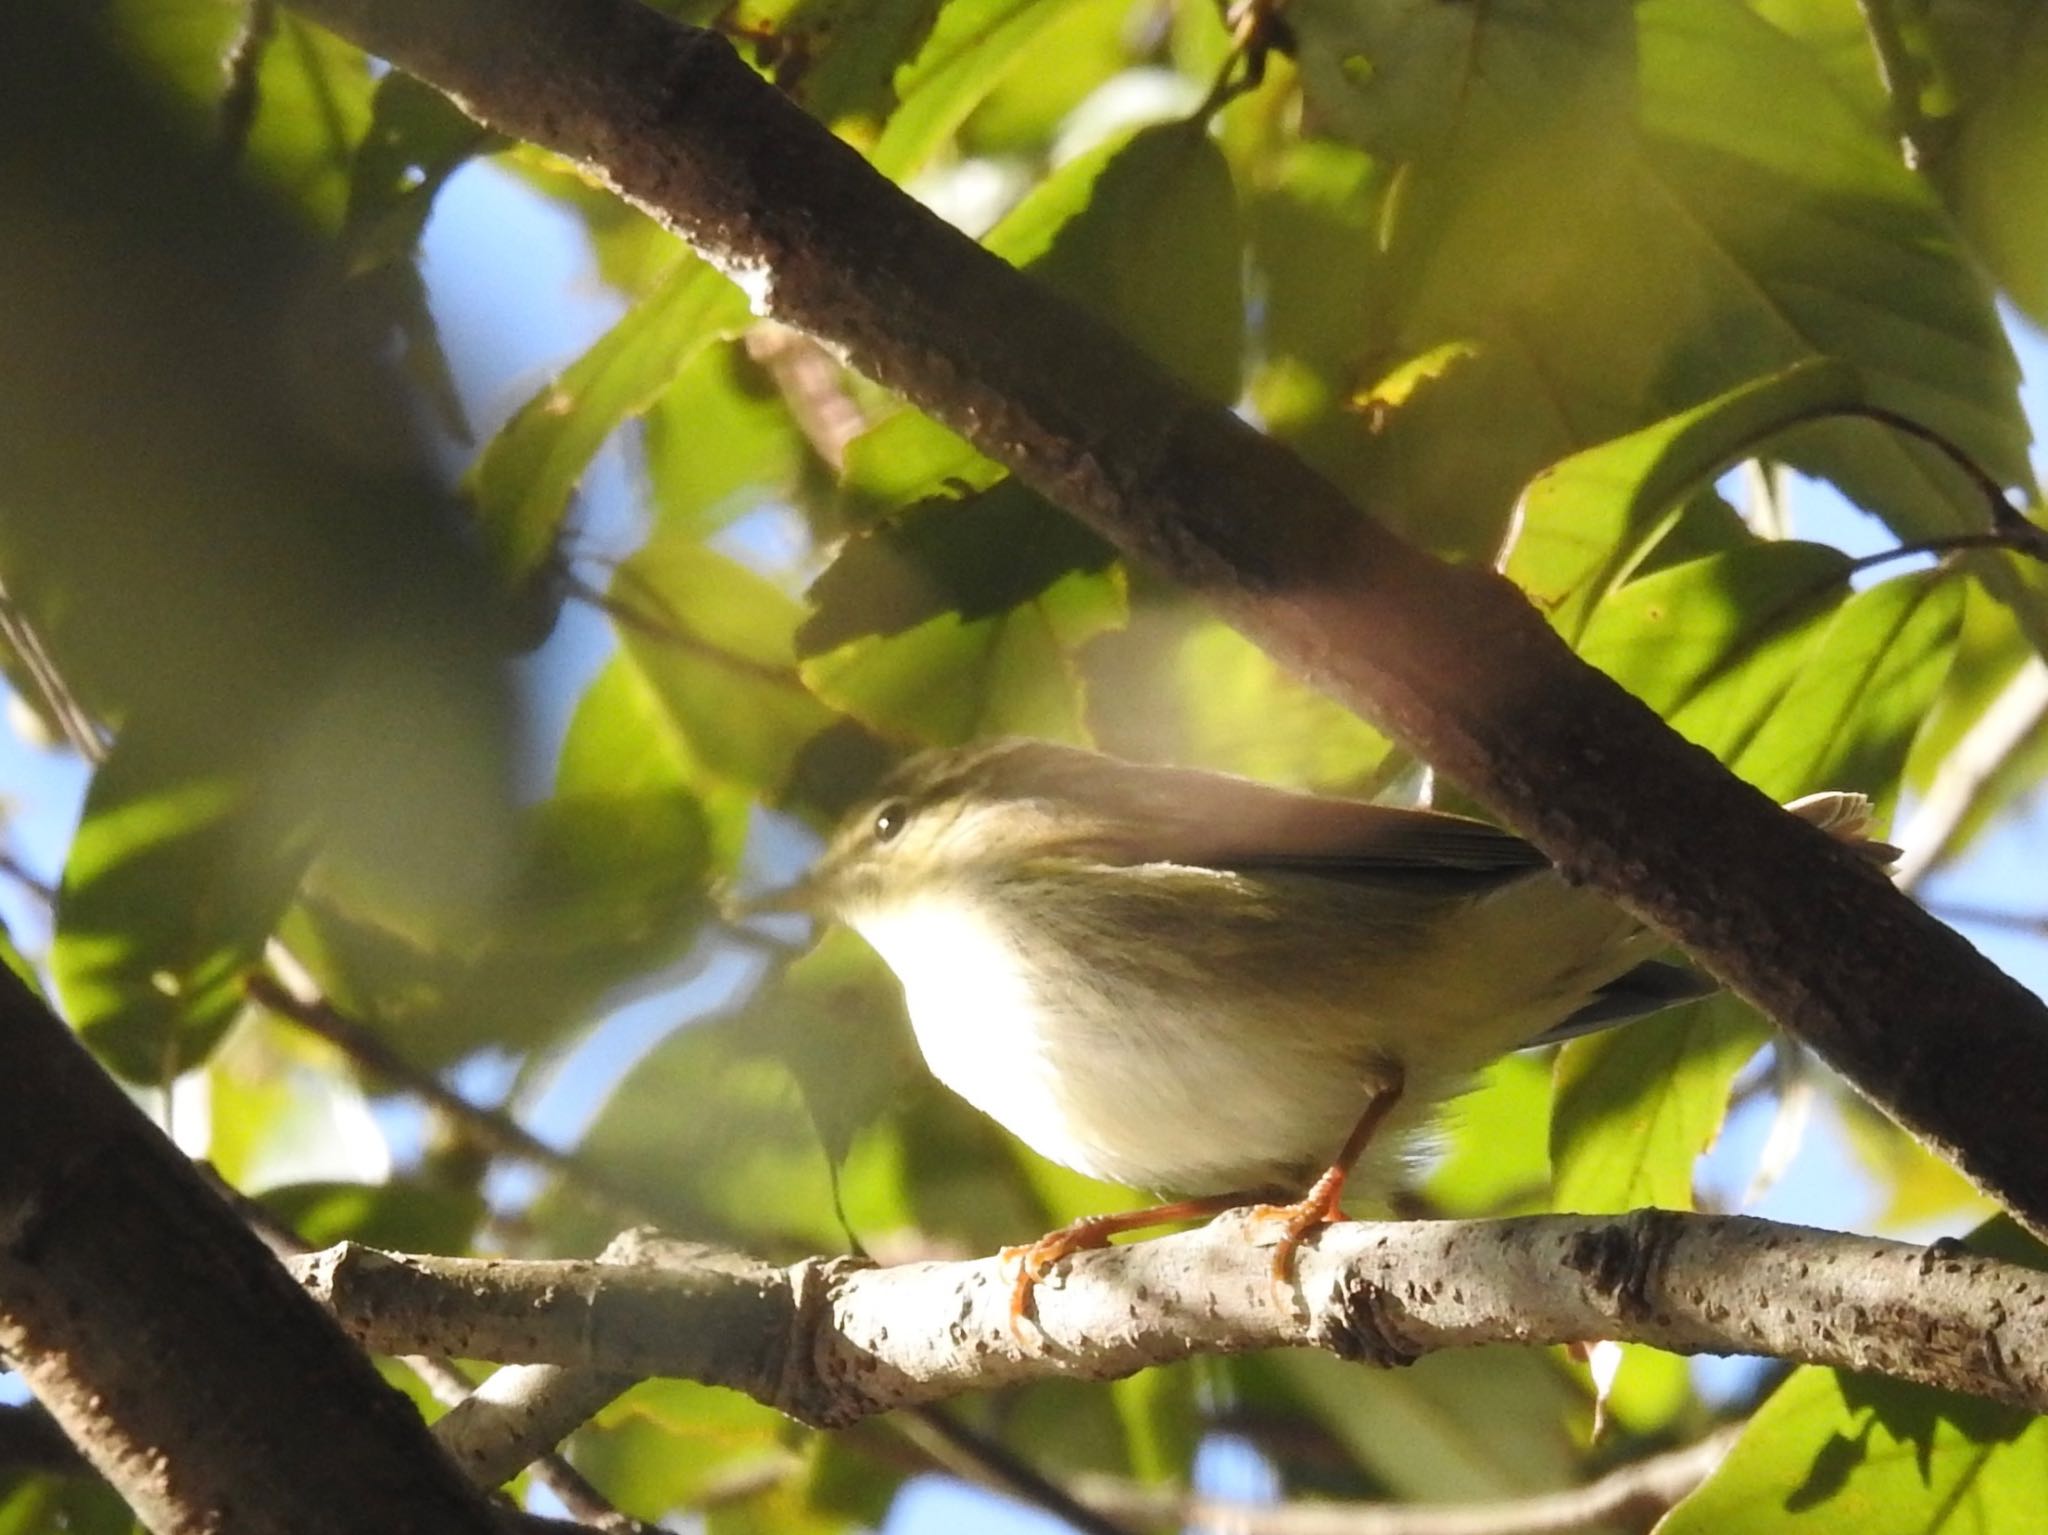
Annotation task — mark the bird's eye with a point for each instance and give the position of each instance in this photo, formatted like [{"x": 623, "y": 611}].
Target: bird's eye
[{"x": 889, "y": 820}]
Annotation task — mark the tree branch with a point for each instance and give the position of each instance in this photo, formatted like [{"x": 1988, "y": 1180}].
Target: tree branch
[
  {"x": 168, "y": 1343},
  {"x": 1452, "y": 662},
  {"x": 831, "y": 1341},
  {"x": 1636, "y": 1494}
]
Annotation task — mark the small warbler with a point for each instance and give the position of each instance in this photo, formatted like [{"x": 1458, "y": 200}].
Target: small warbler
[{"x": 1202, "y": 986}]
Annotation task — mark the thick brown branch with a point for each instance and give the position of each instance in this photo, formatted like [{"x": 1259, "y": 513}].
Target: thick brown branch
[
  {"x": 168, "y": 1343},
  {"x": 1453, "y": 662},
  {"x": 833, "y": 1341}
]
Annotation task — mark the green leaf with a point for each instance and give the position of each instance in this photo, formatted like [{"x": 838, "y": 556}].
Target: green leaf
[
  {"x": 847, "y": 53},
  {"x": 719, "y": 441},
  {"x": 667, "y": 1445},
  {"x": 1583, "y": 526},
  {"x": 1143, "y": 233},
  {"x": 1984, "y": 745},
  {"x": 968, "y": 55},
  {"x": 908, "y": 458},
  {"x": 523, "y": 480},
  {"x": 1831, "y": 1452},
  {"x": 1041, "y": 83},
  {"x": 24, "y": 972},
  {"x": 1713, "y": 644},
  {"x": 1469, "y": 1425},
  {"x": 35, "y": 1503},
  {"x": 958, "y": 616},
  {"x": 607, "y": 887},
  {"x": 976, "y": 557},
  {"x": 949, "y": 680},
  {"x": 402, "y": 1216},
  {"x": 731, "y": 1125},
  {"x": 1496, "y": 1157},
  {"x": 1993, "y": 160},
  {"x": 1625, "y": 210},
  {"x": 1861, "y": 693},
  {"x": 717, "y": 646},
  {"x": 170, "y": 891},
  {"x": 1636, "y": 1106},
  {"x": 1160, "y": 1413},
  {"x": 312, "y": 93}
]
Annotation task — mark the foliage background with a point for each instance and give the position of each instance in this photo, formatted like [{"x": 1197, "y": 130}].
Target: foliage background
[{"x": 1586, "y": 268}]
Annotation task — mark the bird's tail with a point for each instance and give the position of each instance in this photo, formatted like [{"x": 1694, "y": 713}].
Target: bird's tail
[{"x": 1846, "y": 817}]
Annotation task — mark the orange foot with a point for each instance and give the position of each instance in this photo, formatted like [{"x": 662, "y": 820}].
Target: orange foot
[
  {"x": 1318, "y": 1207},
  {"x": 1035, "y": 1259}
]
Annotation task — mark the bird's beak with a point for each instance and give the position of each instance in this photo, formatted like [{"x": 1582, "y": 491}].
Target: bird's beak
[{"x": 804, "y": 897}]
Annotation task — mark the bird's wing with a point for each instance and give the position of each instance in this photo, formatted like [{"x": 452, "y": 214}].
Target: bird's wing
[
  {"x": 1649, "y": 988},
  {"x": 1150, "y": 814}
]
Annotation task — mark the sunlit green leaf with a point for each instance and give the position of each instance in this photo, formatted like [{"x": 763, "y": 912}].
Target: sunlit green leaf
[
  {"x": 1861, "y": 692},
  {"x": 1830, "y": 1452},
  {"x": 717, "y": 644},
  {"x": 525, "y": 476},
  {"x": 24, "y": 972},
  {"x": 312, "y": 92},
  {"x": 1583, "y": 525},
  {"x": 169, "y": 895},
  {"x": 1636, "y": 1106},
  {"x": 949, "y": 680},
  {"x": 977, "y": 557},
  {"x": 1625, "y": 210},
  {"x": 1713, "y": 644},
  {"x": 968, "y": 55},
  {"x": 1497, "y": 1142},
  {"x": 719, "y": 439}
]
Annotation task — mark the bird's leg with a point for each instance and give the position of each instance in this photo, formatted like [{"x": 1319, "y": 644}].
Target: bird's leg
[
  {"x": 1319, "y": 1206},
  {"x": 1034, "y": 1259}
]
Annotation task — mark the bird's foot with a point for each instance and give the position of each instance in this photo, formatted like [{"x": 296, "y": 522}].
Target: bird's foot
[
  {"x": 1035, "y": 1259},
  {"x": 1318, "y": 1207}
]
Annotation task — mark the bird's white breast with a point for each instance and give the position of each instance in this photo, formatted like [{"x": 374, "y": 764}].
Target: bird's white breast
[
  {"x": 1110, "y": 1083},
  {"x": 976, "y": 1016}
]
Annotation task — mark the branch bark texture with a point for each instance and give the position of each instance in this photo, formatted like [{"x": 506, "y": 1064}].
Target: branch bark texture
[
  {"x": 1453, "y": 662},
  {"x": 167, "y": 1341},
  {"x": 831, "y": 1341}
]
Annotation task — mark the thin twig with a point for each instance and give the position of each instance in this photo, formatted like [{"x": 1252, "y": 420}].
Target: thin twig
[
  {"x": 22, "y": 875},
  {"x": 1636, "y": 1494},
  {"x": 59, "y": 702},
  {"x": 2030, "y": 543},
  {"x": 498, "y": 1131},
  {"x": 662, "y": 625},
  {"x": 976, "y": 1458}
]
